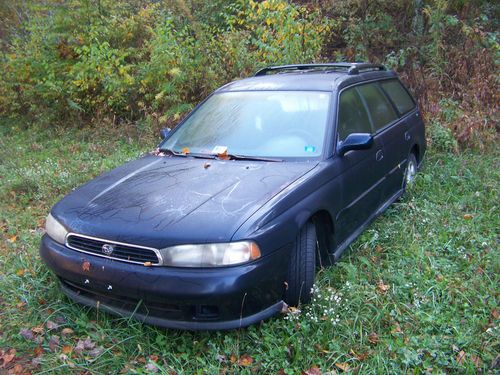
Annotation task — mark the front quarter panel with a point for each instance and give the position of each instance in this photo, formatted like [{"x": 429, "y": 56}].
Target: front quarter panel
[{"x": 277, "y": 223}]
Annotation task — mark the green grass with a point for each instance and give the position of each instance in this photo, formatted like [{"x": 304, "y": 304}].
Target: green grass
[{"x": 417, "y": 292}]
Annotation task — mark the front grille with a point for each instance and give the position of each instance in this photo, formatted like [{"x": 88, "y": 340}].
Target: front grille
[{"x": 121, "y": 251}]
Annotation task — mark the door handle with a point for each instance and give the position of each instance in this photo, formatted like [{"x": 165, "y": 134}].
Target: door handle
[
  {"x": 407, "y": 136},
  {"x": 379, "y": 155}
]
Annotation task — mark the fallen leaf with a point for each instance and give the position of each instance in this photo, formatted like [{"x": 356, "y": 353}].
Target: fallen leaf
[
  {"x": 67, "y": 331},
  {"x": 233, "y": 358},
  {"x": 476, "y": 360},
  {"x": 312, "y": 371},
  {"x": 154, "y": 358},
  {"x": 378, "y": 249},
  {"x": 373, "y": 338},
  {"x": 18, "y": 369},
  {"x": 383, "y": 287},
  {"x": 151, "y": 367},
  {"x": 66, "y": 349},
  {"x": 148, "y": 264},
  {"x": 343, "y": 366},
  {"x": 86, "y": 266},
  {"x": 96, "y": 352},
  {"x": 38, "y": 351},
  {"x": 7, "y": 357},
  {"x": 38, "y": 329},
  {"x": 359, "y": 357},
  {"x": 27, "y": 334},
  {"x": 20, "y": 272},
  {"x": 53, "y": 342},
  {"x": 12, "y": 239},
  {"x": 460, "y": 357},
  {"x": 88, "y": 344},
  {"x": 468, "y": 216},
  {"x": 245, "y": 360},
  {"x": 51, "y": 325},
  {"x": 494, "y": 313},
  {"x": 397, "y": 328}
]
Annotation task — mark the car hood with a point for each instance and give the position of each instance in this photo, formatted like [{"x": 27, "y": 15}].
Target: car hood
[{"x": 162, "y": 201}]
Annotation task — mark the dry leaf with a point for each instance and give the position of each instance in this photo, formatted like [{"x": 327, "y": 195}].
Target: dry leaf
[
  {"x": 7, "y": 357},
  {"x": 154, "y": 358},
  {"x": 20, "y": 272},
  {"x": 373, "y": 338},
  {"x": 378, "y": 249},
  {"x": 66, "y": 349},
  {"x": 51, "y": 325},
  {"x": 27, "y": 334},
  {"x": 67, "y": 331},
  {"x": 148, "y": 264},
  {"x": 382, "y": 288},
  {"x": 343, "y": 366},
  {"x": 312, "y": 371},
  {"x": 12, "y": 239},
  {"x": 233, "y": 358},
  {"x": 467, "y": 216},
  {"x": 38, "y": 329},
  {"x": 494, "y": 313},
  {"x": 245, "y": 360},
  {"x": 86, "y": 266},
  {"x": 53, "y": 342},
  {"x": 38, "y": 351},
  {"x": 460, "y": 357},
  {"x": 396, "y": 329},
  {"x": 476, "y": 360},
  {"x": 185, "y": 150},
  {"x": 17, "y": 370}
]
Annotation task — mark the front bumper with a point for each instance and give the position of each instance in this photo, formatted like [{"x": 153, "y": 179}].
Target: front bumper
[{"x": 193, "y": 299}]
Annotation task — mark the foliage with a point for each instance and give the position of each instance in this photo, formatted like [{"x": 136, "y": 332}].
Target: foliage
[{"x": 417, "y": 291}]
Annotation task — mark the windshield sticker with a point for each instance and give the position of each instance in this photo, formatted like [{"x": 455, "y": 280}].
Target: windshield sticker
[
  {"x": 218, "y": 150},
  {"x": 310, "y": 148}
]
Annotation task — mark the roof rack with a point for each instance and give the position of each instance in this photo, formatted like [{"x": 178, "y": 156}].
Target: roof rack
[{"x": 349, "y": 68}]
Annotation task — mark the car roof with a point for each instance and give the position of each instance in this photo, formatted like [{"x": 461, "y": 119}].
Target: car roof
[{"x": 304, "y": 80}]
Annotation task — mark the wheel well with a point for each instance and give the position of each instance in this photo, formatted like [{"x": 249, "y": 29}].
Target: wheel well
[
  {"x": 323, "y": 223},
  {"x": 416, "y": 151}
]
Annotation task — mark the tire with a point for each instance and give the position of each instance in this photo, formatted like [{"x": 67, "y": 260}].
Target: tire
[
  {"x": 302, "y": 267},
  {"x": 411, "y": 170}
]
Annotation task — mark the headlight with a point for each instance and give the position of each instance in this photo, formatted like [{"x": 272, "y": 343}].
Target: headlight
[
  {"x": 210, "y": 255},
  {"x": 55, "y": 230}
]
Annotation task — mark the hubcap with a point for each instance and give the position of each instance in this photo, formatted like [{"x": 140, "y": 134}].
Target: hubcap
[{"x": 411, "y": 170}]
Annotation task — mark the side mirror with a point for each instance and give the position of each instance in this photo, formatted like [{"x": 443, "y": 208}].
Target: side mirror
[
  {"x": 164, "y": 133},
  {"x": 355, "y": 141}
]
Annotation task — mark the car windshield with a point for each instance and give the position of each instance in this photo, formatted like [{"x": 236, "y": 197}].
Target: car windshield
[{"x": 255, "y": 123}]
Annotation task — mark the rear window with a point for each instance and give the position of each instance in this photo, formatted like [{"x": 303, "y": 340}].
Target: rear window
[
  {"x": 380, "y": 108},
  {"x": 399, "y": 96}
]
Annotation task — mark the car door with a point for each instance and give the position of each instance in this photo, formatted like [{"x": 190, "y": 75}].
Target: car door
[
  {"x": 399, "y": 136},
  {"x": 387, "y": 127},
  {"x": 361, "y": 171}
]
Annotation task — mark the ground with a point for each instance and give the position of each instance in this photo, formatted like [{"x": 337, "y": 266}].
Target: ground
[{"x": 417, "y": 292}]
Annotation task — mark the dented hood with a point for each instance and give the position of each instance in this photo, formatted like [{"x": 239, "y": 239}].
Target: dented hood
[{"x": 162, "y": 201}]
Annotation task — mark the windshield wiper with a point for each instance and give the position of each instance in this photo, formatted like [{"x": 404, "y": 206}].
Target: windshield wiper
[
  {"x": 248, "y": 157},
  {"x": 194, "y": 155}
]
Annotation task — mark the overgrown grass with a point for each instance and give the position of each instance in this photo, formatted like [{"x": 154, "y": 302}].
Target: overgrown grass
[{"x": 417, "y": 292}]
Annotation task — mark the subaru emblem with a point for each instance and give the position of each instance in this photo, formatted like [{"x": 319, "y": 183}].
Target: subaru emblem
[{"x": 107, "y": 249}]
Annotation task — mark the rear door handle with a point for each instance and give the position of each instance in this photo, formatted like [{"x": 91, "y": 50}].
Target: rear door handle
[
  {"x": 379, "y": 155},
  {"x": 407, "y": 136}
]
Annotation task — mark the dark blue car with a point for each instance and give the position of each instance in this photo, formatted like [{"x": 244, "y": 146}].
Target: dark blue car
[{"x": 268, "y": 178}]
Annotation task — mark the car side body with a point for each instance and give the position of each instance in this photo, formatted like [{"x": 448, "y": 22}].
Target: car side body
[{"x": 374, "y": 136}]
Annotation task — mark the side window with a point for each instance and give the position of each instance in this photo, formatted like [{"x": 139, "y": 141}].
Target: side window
[
  {"x": 379, "y": 106},
  {"x": 399, "y": 96},
  {"x": 352, "y": 115}
]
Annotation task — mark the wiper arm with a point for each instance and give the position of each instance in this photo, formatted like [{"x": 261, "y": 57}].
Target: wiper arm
[
  {"x": 194, "y": 155},
  {"x": 248, "y": 157}
]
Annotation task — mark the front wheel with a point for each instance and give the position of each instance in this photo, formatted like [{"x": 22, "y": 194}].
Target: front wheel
[{"x": 302, "y": 267}]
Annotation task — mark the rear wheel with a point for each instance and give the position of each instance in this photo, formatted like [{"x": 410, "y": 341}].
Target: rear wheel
[
  {"x": 411, "y": 170},
  {"x": 302, "y": 267}
]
